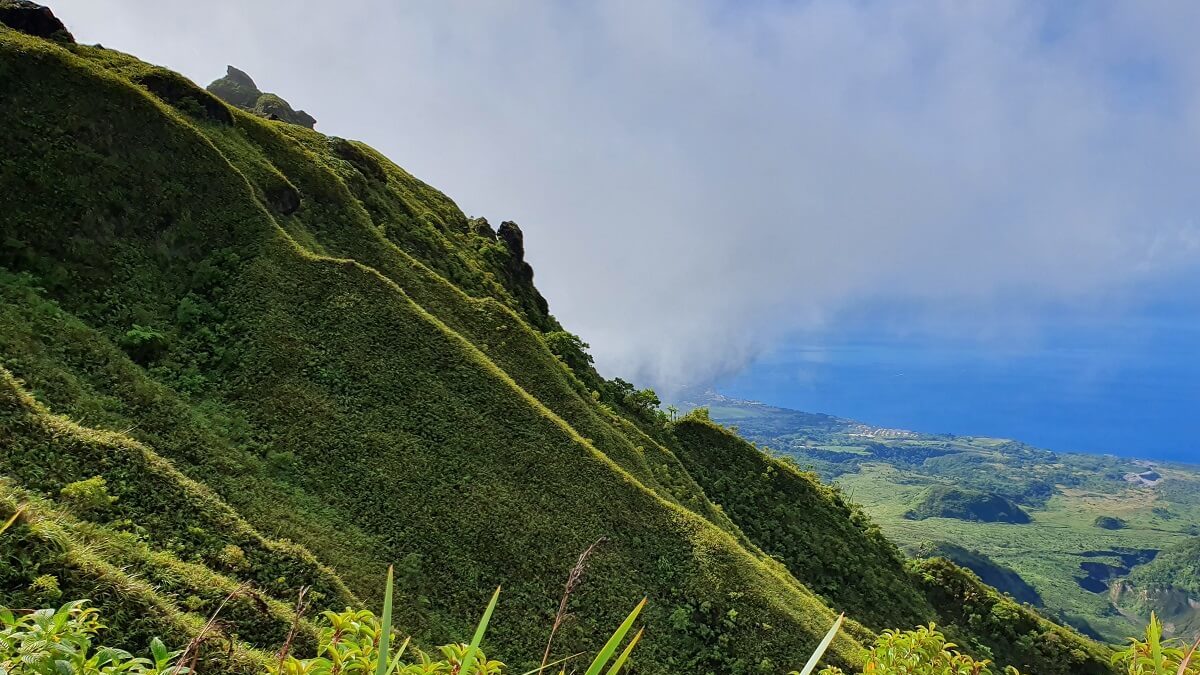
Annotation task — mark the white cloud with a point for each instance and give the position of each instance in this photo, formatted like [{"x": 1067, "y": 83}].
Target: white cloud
[{"x": 698, "y": 179}]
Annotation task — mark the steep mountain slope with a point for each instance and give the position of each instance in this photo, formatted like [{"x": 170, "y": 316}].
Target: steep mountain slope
[
  {"x": 238, "y": 355},
  {"x": 1048, "y": 510},
  {"x": 844, "y": 556},
  {"x": 345, "y": 361}
]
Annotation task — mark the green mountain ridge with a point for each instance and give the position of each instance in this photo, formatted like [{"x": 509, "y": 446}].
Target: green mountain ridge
[
  {"x": 239, "y": 357},
  {"x": 1086, "y": 530}
]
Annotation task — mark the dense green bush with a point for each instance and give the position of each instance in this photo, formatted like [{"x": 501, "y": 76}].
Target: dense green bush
[
  {"x": 924, "y": 651},
  {"x": 62, "y": 642}
]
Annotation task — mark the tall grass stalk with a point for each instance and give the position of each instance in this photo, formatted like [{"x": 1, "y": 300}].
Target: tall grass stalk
[{"x": 574, "y": 578}]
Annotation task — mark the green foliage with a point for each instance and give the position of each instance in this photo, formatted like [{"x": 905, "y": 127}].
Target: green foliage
[
  {"x": 144, "y": 344},
  {"x": 810, "y": 527},
  {"x": 1111, "y": 523},
  {"x": 1178, "y": 567},
  {"x": 999, "y": 577},
  {"x": 571, "y": 349},
  {"x": 924, "y": 651},
  {"x": 61, "y": 642},
  {"x": 1156, "y": 656},
  {"x": 990, "y": 625},
  {"x": 88, "y": 495},
  {"x": 643, "y": 403},
  {"x": 359, "y": 642}
]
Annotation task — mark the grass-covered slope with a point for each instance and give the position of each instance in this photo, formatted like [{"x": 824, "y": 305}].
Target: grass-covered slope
[
  {"x": 1065, "y": 553},
  {"x": 291, "y": 363},
  {"x": 236, "y": 354},
  {"x": 992, "y": 573},
  {"x": 822, "y": 539},
  {"x": 845, "y": 557}
]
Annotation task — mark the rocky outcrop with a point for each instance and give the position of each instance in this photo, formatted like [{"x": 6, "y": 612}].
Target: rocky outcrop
[
  {"x": 238, "y": 88},
  {"x": 33, "y": 19},
  {"x": 272, "y": 107},
  {"x": 520, "y": 274}
]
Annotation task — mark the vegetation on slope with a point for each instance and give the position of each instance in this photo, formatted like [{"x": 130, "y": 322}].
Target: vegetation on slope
[
  {"x": 1073, "y": 565},
  {"x": 820, "y": 537},
  {"x": 999, "y": 577},
  {"x": 238, "y": 354},
  {"x": 1177, "y": 567},
  {"x": 305, "y": 340}
]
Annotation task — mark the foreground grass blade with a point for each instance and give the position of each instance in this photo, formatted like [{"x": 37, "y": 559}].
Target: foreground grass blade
[
  {"x": 625, "y": 654},
  {"x": 816, "y": 657},
  {"x": 564, "y": 659},
  {"x": 9, "y": 523},
  {"x": 1187, "y": 658},
  {"x": 385, "y": 632},
  {"x": 396, "y": 659},
  {"x": 615, "y": 641},
  {"x": 468, "y": 661}
]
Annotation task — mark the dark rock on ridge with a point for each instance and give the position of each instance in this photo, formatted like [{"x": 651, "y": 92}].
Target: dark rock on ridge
[
  {"x": 520, "y": 272},
  {"x": 33, "y": 19}
]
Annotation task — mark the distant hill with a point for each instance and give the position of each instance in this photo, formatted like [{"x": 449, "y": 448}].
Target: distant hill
[{"x": 940, "y": 501}]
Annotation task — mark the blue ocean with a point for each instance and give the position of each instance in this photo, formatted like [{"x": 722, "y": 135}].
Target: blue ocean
[{"x": 1131, "y": 389}]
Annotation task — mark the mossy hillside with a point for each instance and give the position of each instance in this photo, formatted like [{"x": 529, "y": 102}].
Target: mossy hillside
[
  {"x": 988, "y": 623},
  {"x": 148, "y": 498},
  {"x": 362, "y": 411},
  {"x": 844, "y": 556},
  {"x": 831, "y": 545},
  {"x": 512, "y": 464},
  {"x": 50, "y": 556},
  {"x": 495, "y": 327}
]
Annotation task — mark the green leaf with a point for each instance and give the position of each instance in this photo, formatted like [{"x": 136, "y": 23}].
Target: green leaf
[
  {"x": 159, "y": 651},
  {"x": 610, "y": 647},
  {"x": 816, "y": 657},
  {"x": 535, "y": 671},
  {"x": 9, "y": 523},
  {"x": 468, "y": 661},
  {"x": 625, "y": 654},
  {"x": 385, "y": 632},
  {"x": 399, "y": 653}
]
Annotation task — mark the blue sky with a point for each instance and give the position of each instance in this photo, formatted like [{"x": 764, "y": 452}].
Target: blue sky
[{"x": 705, "y": 185}]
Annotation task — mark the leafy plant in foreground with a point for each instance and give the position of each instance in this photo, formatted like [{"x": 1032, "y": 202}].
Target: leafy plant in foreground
[
  {"x": 923, "y": 651},
  {"x": 1156, "y": 656},
  {"x": 358, "y": 642},
  {"x": 59, "y": 642}
]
